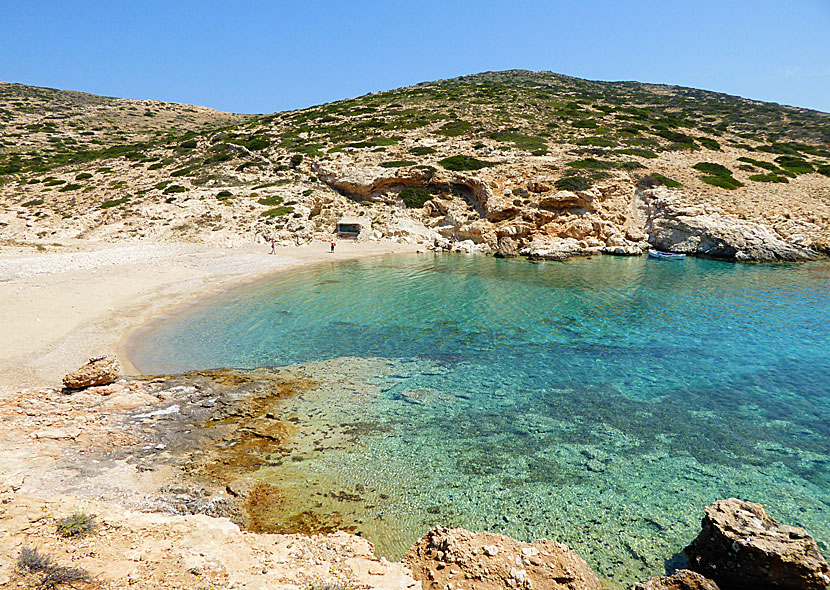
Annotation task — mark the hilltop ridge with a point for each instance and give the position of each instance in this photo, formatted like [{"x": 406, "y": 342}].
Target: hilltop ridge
[{"x": 554, "y": 164}]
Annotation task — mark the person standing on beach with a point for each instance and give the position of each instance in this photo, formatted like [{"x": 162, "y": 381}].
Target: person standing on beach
[
  {"x": 273, "y": 247},
  {"x": 333, "y": 244}
]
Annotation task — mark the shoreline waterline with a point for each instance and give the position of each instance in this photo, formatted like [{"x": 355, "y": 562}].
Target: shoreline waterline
[{"x": 85, "y": 299}]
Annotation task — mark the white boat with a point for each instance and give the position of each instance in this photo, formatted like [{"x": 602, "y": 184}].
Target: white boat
[{"x": 665, "y": 255}]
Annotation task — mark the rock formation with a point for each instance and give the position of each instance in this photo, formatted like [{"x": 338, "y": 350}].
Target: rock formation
[
  {"x": 741, "y": 547},
  {"x": 507, "y": 248},
  {"x": 680, "y": 580},
  {"x": 694, "y": 229},
  {"x": 458, "y": 558},
  {"x": 100, "y": 370}
]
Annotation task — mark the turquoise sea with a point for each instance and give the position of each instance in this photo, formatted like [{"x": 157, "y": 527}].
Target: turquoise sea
[{"x": 602, "y": 402}]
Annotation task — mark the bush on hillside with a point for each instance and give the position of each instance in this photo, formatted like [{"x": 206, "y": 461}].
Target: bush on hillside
[
  {"x": 414, "y": 197},
  {"x": 461, "y": 163}
]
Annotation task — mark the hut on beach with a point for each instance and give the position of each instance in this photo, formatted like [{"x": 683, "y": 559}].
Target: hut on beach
[{"x": 352, "y": 227}]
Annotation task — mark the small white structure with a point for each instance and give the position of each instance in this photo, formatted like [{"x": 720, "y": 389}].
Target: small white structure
[{"x": 353, "y": 227}]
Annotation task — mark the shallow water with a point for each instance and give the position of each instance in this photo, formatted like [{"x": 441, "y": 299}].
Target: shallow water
[{"x": 602, "y": 402}]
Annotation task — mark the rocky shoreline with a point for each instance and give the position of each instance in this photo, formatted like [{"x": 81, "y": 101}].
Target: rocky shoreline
[{"x": 163, "y": 461}]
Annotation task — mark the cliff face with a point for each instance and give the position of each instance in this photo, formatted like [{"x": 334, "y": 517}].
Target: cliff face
[{"x": 556, "y": 165}]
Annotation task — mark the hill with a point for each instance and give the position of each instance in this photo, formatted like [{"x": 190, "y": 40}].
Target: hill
[{"x": 536, "y": 162}]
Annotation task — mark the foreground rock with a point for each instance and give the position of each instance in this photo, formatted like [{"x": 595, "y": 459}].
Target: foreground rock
[
  {"x": 680, "y": 580},
  {"x": 101, "y": 370},
  {"x": 741, "y": 546},
  {"x": 458, "y": 559}
]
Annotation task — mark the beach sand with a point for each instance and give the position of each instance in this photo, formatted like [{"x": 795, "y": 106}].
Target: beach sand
[
  {"x": 61, "y": 454},
  {"x": 77, "y": 300}
]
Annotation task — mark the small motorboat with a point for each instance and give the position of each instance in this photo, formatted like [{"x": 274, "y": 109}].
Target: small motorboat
[{"x": 665, "y": 255}]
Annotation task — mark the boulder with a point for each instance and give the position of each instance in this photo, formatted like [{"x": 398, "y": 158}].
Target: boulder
[
  {"x": 680, "y": 580},
  {"x": 740, "y": 546},
  {"x": 100, "y": 370},
  {"x": 450, "y": 558},
  {"x": 507, "y": 248}
]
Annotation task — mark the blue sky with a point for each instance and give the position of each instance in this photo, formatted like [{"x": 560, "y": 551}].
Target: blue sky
[{"x": 259, "y": 57}]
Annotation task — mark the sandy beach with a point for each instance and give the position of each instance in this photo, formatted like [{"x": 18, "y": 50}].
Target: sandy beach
[{"x": 77, "y": 300}]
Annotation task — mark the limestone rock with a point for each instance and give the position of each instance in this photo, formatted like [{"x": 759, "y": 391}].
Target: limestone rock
[
  {"x": 486, "y": 561},
  {"x": 675, "y": 227},
  {"x": 556, "y": 248},
  {"x": 507, "y": 248},
  {"x": 565, "y": 199},
  {"x": 740, "y": 546},
  {"x": 680, "y": 580},
  {"x": 101, "y": 370}
]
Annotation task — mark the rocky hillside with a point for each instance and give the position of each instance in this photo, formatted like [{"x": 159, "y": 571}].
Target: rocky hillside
[{"x": 536, "y": 163}]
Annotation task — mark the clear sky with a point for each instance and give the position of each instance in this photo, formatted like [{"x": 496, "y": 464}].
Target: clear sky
[{"x": 258, "y": 57}]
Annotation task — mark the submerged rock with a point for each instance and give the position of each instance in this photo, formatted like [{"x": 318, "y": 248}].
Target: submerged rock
[
  {"x": 446, "y": 558},
  {"x": 740, "y": 546},
  {"x": 680, "y": 580},
  {"x": 100, "y": 370}
]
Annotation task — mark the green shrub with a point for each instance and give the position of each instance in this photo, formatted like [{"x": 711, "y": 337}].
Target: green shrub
[
  {"x": 673, "y": 136},
  {"x": 33, "y": 203},
  {"x": 794, "y": 164},
  {"x": 397, "y": 164},
  {"x": 278, "y": 212},
  {"x": 598, "y": 142},
  {"x": 77, "y": 525},
  {"x": 183, "y": 171},
  {"x": 114, "y": 202},
  {"x": 296, "y": 160},
  {"x": 708, "y": 143},
  {"x": 173, "y": 189},
  {"x": 655, "y": 179},
  {"x": 530, "y": 143},
  {"x": 155, "y": 166},
  {"x": 272, "y": 201},
  {"x": 586, "y": 124},
  {"x": 823, "y": 169},
  {"x": 70, "y": 187},
  {"x": 255, "y": 143},
  {"x": 421, "y": 150},
  {"x": 188, "y": 145},
  {"x": 454, "y": 128},
  {"x": 572, "y": 183},
  {"x": 83, "y": 176},
  {"x": 726, "y": 182},
  {"x": 222, "y": 195},
  {"x": 713, "y": 169},
  {"x": 460, "y": 163},
  {"x": 414, "y": 197},
  {"x": 767, "y": 166},
  {"x": 768, "y": 178}
]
